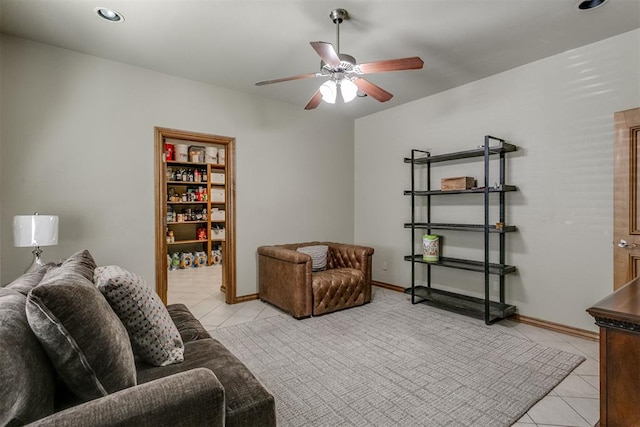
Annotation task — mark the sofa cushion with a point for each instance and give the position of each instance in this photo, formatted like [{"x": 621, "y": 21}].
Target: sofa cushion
[
  {"x": 28, "y": 281},
  {"x": 154, "y": 337},
  {"x": 26, "y": 376},
  {"x": 82, "y": 263},
  {"x": 189, "y": 327},
  {"x": 246, "y": 399},
  {"x": 86, "y": 342},
  {"x": 318, "y": 254}
]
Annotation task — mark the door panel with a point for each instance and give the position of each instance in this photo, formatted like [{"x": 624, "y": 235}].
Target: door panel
[{"x": 626, "y": 215}]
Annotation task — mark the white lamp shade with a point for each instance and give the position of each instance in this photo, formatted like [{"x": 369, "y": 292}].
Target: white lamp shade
[
  {"x": 35, "y": 230},
  {"x": 329, "y": 91},
  {"x": 348, "y": 89}
]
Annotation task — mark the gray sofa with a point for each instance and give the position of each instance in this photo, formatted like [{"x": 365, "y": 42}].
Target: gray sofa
[{"x": 211, "y": 387}]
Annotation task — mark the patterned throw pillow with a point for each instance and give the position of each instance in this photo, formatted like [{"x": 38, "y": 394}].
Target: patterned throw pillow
[
  {"x": 154, "y": 337},
  {"x": 318, "y": 254},
  {"x": 84, "y": 339}
]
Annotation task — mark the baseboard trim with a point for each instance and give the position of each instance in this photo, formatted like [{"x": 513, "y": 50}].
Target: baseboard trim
[
  {"x": 245, "y": 298},
  {"x": 389, "y": 286},
  {"x": 544, "y": 324},
  {"x": 556, "y": 327}
]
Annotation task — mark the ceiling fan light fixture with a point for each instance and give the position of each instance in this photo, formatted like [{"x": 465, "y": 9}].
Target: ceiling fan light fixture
[
  {"x": 348, "y": 89},
  {"x": 329, "y": 91}
]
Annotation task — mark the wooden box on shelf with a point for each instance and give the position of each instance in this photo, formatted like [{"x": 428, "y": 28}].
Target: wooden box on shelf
[{"x": 457, "y": 183}]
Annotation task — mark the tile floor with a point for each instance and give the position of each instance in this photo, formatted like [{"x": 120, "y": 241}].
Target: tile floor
[{"x": 573, "y": 403}]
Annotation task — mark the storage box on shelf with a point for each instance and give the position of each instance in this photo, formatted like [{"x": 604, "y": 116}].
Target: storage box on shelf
[
  {"x": 217, "y": 195},
  {"x": 217, "y": 215},
  {"x": 457, "y": 183},
  {"x": 485, "y": 308}
]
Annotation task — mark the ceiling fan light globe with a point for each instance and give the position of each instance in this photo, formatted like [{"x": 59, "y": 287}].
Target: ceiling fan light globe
[
  {"x": 329, "y": 91},
  {"x": 348, "y": 89}
]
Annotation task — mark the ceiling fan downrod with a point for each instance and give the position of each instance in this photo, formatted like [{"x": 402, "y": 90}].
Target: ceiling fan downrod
[{"x": 337, "y": 16}]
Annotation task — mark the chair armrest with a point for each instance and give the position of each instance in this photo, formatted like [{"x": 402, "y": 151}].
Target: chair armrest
[
  {"x": 284, "y": 279},
  {"x": 190, "y": 398},
  {"x": 350, "y": 256},
  {"x": 284, "y": 254},
  {"x": 353, "y": 256}
]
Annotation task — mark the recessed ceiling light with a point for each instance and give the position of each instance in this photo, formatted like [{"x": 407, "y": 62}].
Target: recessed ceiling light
[
  {"x": 109, "y": 14},
  {"x": 589, "y": 4}
]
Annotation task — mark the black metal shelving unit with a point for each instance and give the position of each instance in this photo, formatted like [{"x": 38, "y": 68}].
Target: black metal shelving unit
[{"x": 484, "y": 308}]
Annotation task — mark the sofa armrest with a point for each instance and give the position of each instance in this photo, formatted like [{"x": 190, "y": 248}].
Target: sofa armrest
[
  {"x": 284, "y": 279},
  {"x": 191, "y": 398}
]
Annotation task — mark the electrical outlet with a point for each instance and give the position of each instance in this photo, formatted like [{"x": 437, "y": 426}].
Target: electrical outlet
[{"x": 385, "y": 266}]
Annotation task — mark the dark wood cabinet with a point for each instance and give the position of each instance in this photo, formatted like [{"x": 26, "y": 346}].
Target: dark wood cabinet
[{"x": 618, "y": 317}]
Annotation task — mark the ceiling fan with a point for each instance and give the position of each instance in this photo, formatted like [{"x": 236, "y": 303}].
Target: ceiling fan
[{"x": 344, "y": 72}]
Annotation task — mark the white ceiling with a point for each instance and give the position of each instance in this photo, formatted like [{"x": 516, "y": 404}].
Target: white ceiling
[{"x": 235, "y": 43}]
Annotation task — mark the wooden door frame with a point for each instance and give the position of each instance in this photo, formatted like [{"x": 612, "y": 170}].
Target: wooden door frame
[
  {"x": 625, "y": 197},
  {"x": 229, "y": 252}
]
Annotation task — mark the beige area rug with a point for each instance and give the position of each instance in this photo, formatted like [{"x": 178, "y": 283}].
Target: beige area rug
[{"x": 391, "y": 363}]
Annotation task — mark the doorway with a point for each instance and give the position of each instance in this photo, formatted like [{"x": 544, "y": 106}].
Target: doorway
[
  {"x": 626, "y": 212},
  {"x": 195, "y": 214}
]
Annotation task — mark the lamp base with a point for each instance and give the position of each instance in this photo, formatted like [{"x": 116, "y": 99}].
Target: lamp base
[{"x": 37, "y": 261}]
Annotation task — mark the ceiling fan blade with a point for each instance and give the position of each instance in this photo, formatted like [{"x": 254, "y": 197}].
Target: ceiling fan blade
[
  {"x": 327, "y": 53},
  {"x": 314, "y": 101},
  {"x": 374, "y": 91},
  {"x": 286, "y": 79},
  {"x": 400, "y": 64}
]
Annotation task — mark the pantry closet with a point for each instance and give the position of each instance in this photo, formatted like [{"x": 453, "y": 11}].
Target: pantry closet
[{"x": 195, "y": 217}]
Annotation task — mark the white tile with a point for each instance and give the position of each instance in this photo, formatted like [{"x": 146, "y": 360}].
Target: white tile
[
  {"x": 526, "y": 419},
  {"x": 588, "y": 367},
  {"x": 594, "y": 380},
  {"x": 553, "y": 410},
  {"x": 269, "y": 311},
  {"x": 590, "y": 348},
  {"x": 589, "y": 409},
  {"x": 576, "y": 386}
]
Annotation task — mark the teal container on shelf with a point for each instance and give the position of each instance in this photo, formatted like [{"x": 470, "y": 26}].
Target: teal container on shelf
[{"x": 430, "y": 247}]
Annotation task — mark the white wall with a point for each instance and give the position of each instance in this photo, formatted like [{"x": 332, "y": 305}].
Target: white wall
[
  {"x": 560, "y": 112},
  {"x": 77, "y": 141}
]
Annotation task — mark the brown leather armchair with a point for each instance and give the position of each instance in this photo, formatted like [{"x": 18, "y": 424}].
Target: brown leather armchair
[{"x": 286, "y": 278}]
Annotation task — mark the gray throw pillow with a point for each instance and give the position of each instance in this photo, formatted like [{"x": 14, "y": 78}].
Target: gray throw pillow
[
  {"x": 154, "y": 337},
  {"x": 318, "y": 254},
  {"x": 26, "y": 375},
  {"x": 28, "y": 281},
  {"x": 82, "y": 263},
  {"x": 86, "y": 342}
]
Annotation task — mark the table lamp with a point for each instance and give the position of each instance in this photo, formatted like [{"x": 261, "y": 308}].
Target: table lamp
[{"x": 35, "y": 231}]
